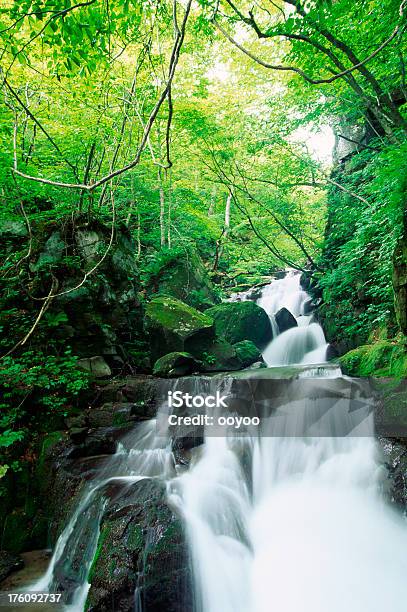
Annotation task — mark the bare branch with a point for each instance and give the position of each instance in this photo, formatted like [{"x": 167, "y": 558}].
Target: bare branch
[{"x": 164, "y": 94}]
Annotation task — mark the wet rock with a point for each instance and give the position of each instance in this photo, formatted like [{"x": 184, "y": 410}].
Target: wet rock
[
  {"x": 176, "y": 327},
  {"x": 247, "y": 352},
  {"x": 96, "y": 366},
  {"x": 78, "y": 434},
  {"x": 98, "y": 442},
  {"x": 309, "y": 306},
  {"x": 75, "y": 422},
  {"x": 395, "y": 458},
  {"x": 176, "y": 364},
  {"x": 185, "y": 277},
  {"x": 113, "y": 415},
  {"x": 35, "y": 565},
  {"x": 237, "y": 321},
  {"x": 182, "y": 445},
  {"x": 141, "y": 547},
  {"x": 257, "y": 365},
  {"x": 219, "y": 356},
  {"x": 285, "y": 320},
  {"x": 331, "y": 352},
  {"x": 9, "y": 563}
]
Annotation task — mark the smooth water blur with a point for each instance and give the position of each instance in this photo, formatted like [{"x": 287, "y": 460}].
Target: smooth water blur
[
  {"x": 292, "y": 524},
  {"x": 303, "y": 344},
  {"x": 140, "y": 454}
]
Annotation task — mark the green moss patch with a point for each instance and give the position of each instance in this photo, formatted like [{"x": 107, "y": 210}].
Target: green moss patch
[{"x": 382, "y": 358}]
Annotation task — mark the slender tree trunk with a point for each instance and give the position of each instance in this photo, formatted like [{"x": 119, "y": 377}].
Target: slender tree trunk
[
  {"x": 162, "y": 209},
  {"x": 225, "y": 231}
]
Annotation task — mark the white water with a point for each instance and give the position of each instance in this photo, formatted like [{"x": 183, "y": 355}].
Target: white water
[
  {"x": 292, "y": 524},
  {"x": 274, "y": 524},
  {"x": 314, "y": 535},
  {"x": 303, "y": 344},
  {"x": 140, "y": 454}
]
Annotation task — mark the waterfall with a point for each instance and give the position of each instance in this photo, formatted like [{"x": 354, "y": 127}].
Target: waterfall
[
  {"x": 141, "y": 454},
  {"x": 302, "y": 344},
  {"x": 287, "y": 516},
  {"x": 307, "y": 531}
]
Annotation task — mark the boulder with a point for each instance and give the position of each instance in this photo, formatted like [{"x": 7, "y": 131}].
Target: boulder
[
  {"x": 220, "y": 356},
  {"x": 331, "y": 352},
  {"x": 285, "y": 320},
  {"x": 96, "y": 366},
  {"x": 185, "y": 277},
  {"x": 308, "y": 306},
  {"x": 173, "y": 326},
  {"x": 141, "y": 549},
  {"x": 13, "y": 229},
  {"x": 51, "y": 254},
  {"x": 9, "y": 563},
  {"x": 236, "y": 321},
  {"x": 247, "y": 352},
  {"x": 99, "y": 314},
  {"x": 176, "y": 364},
  {"x": 395, "y": 460}
]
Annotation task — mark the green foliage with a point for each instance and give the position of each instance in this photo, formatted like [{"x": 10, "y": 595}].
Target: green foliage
[
  {"x": 156, "y": 261},
  {"x": 360, "y": 241},
  {"x": 382, "y": 358},
  {"x": 38, "y": 390}
]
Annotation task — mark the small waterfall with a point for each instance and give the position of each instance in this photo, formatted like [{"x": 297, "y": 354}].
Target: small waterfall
[
  {"x": 304, "y": 343},
  {"x": 140, "y": 454}
]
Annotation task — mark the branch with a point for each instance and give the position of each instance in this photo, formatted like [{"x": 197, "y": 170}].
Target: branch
[
  {"x": 43, "y": 309},
  {"x": 312, "y": 81},
  {"x": 36, "y": 121},
  {"x": 164, "y": 94}
]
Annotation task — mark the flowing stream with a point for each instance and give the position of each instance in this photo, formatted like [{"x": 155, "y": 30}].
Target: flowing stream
[{"x": 276, "y": 519}]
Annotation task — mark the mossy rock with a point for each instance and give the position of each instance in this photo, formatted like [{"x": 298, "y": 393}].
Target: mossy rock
[
  {"x": 141, "y": 545},
  {"x": 185, "y": 277},
  {"x": 176, "y": 364},
  {"x": 16, "y": 535},
  {"x": 247, "y": 352},
  {"x": 173, "y": 326},
  {"x": 220, "y": 356},
  {"x": 237, "y": 321},
  {"x": 382, "y": 358}
]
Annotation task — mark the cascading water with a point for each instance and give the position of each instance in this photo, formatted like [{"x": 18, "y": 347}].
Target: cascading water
[
  {"x": 304, "y": 343},
  {"x": 289, "y": 516},
  {"x": 141, "y": 454}
]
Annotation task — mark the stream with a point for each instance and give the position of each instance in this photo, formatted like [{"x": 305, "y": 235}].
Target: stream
[{"x": 289, "y": 515}]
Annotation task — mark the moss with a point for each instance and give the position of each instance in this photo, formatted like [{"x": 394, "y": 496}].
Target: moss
[
  {"x": 102, "y": 539},
  {"x": 382, "y": 358},
  {"x": 247, "y": 352},
  {"x": 237, "y": 321},
  {"x": 174, "y": 315},
  {"x": 219, "y": 356},
  {"x": 185, "y": 277},
  {"x": 175, "y": 364},
  {"x": 16, "y": 532},
  {"x": 176, "y": 327},
  {"x": 49, "y": 441},
  {"x": 135, "y": 539}
]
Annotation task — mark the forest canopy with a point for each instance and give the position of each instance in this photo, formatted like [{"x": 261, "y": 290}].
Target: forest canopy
[{"x": 210, "y": 125}]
